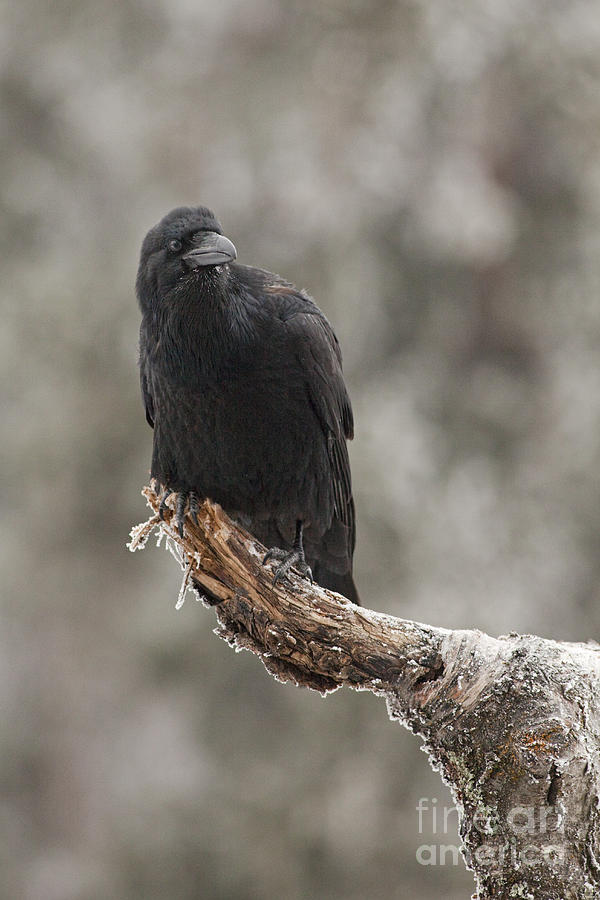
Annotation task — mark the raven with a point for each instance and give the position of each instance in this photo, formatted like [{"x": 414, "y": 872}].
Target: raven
[{"x": 241, "y": 377}]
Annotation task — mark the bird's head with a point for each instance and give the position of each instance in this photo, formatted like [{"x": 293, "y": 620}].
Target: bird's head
[{"x": 187, "y": 240}]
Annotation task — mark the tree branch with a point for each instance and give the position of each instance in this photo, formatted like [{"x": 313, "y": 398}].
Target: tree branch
[{"x": 513, "y": 723}]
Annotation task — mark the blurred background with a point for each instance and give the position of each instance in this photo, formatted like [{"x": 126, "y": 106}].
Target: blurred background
[{"x": 430, "y": 172}]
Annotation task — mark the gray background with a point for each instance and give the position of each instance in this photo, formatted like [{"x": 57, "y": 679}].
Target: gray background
[{"x": 430, "y": 172}]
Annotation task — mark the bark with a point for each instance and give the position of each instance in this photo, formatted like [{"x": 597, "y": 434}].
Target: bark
[{"x": 511, "y": 723}]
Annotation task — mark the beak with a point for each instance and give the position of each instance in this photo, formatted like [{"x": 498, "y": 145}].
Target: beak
[{"x": 211, "y": 249}]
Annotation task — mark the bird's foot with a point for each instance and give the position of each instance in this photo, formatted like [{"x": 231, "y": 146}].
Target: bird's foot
[
  {"x": 288, "y": 559},
  {"x": 184, "y": 500}
]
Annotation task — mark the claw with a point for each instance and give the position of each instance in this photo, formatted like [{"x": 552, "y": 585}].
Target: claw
[
  {"x": 274, "y": 553},
  {"x": 163, "y": 504},
  {"x": 180, "y": 512},
  {"x": 193, "y": 509},
  {"x": 293, "y": 558},
  {"x": 289, "y": 559},
  {"x": 184, "y": 498}
]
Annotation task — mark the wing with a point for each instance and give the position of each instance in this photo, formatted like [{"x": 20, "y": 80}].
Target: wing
[
  {"x": 144, "y": 381},
  {"x": 318, "y": 352}
]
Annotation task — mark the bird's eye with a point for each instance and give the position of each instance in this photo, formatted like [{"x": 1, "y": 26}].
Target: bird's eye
[{"x": 175, "y": 246}]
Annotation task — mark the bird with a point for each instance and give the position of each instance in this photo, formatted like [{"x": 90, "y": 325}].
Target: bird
[{"x": 241, "y": 379}]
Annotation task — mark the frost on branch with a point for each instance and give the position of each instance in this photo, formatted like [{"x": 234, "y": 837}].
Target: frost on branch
[{"x": 511, "y": 723}]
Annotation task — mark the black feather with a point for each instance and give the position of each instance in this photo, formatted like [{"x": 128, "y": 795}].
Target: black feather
[{"x": 241, "y": 377}]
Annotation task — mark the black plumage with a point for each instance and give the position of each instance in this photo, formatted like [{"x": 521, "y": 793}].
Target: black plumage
[{"x": 241, "y": 376}]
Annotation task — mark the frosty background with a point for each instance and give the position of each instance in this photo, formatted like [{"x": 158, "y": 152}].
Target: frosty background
[{"x": 430, "y": 172}]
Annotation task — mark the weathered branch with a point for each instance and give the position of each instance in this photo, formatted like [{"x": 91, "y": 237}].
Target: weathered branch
[{"x": 512, "y": 723}]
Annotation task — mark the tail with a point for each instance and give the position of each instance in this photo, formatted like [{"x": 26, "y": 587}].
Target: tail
[{"x": 333, "y": 581}]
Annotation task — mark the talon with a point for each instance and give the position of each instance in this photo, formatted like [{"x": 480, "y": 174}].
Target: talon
[
  {"x": 274, "y": 553},
  {"x": 193, "y": 508},
  {"x": 163, "y": 504},
  {"x": 180, "y": 512},
  {"x": 289, "y": 559},
  {"x": 183, "y": 499},
  {"x": 293, "y": 558}
]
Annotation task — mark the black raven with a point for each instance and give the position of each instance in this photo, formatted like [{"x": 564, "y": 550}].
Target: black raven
[{"x": 241, "y": 377}]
